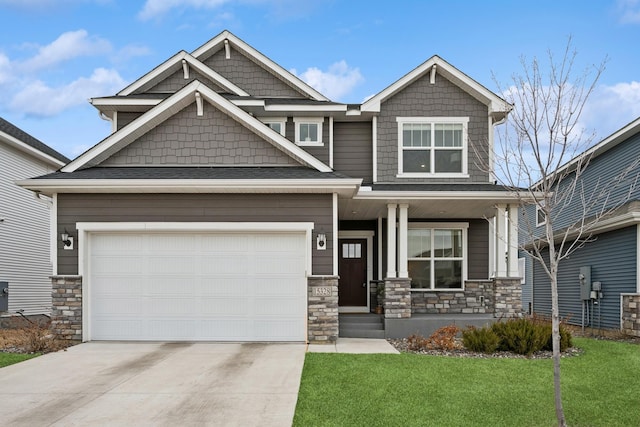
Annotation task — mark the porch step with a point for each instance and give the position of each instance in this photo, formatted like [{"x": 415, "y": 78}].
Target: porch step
[{"x": 361, "y": 326}]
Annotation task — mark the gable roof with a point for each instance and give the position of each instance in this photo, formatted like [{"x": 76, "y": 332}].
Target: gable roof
[
  {"x": 173, "y": 64},
  {"x": 170, "y": 106},
  {"x": 21, "y": 140},
  {"x": 498, "y": 107},
  {"x": 217, "y": 43}
]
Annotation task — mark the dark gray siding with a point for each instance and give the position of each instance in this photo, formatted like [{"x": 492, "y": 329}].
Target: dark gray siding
[
  {"x": 249, "y": 76},
  {"x": 176, "y": 81},
  {"x": 612, "y": 258},
  {"x": 422, "y": 99},
  {"x": 352, "y": 149},
  {"x": 478, "y": 264},
  {"x": 320, "y": 153},
  {"x": 186, "y": 139},
  {"x": 73, "y": 208},
  {"x": 124, "y": 118}
]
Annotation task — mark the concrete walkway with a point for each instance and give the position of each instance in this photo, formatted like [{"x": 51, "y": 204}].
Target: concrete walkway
[
  {"x": 154, "y": 384},
  {"x": 354, "y": 346}
]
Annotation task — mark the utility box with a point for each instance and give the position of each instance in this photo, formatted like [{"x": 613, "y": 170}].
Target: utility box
[
  {"x": 4, "y": 296},
  {"x": 585, "y": 282}
]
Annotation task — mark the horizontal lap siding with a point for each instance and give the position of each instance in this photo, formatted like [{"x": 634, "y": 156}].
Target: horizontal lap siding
[
  {"x": 478, "y": 262},
  {"x": 612, "y": 258},
  {"x": 352, "y": 150},
  {"x": 316, "y": 208}
]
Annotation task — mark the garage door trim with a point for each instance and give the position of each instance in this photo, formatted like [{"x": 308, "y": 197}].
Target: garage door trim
[{"x": 86, "y": 228}]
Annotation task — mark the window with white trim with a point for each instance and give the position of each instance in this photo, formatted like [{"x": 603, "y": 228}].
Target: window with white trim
[
  {"x": 432, "y": 146},
  {"x": 437, "y": 256},
  {"x": 308, "y": 131},
  {"x": 541, "y": 216},
  {"x": 279, "y": 124}
]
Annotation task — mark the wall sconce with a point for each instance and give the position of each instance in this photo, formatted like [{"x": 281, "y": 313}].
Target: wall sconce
[
  {"x": 321, "y": 241},
  {"x": 67, "y": 241}
]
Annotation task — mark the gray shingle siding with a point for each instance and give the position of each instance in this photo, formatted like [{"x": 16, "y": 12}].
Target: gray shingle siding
[
  {"x": 186, "y": 139},
  {"x": 353, "y": 150},
  {"x": 422, "y": 99},
  {"x": 612, "y": 258},
  {"x": 249, "y": 76},
  {"x": 320, "y": 152},
  {"x": 125, "y": 117},
  {"x": 316, "y": 208},
  {"x": 176, "y": 81}
]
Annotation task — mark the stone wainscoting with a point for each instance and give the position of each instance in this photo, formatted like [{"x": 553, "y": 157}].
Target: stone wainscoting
[
  {"x": 322, "y": 309},
  {"x": 630, "y": 323},
  {"x": 501, "y": 297},
  {"x": 66, "y": 311}
]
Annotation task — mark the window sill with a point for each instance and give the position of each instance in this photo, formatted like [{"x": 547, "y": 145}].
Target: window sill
[
  {"x": 431, "y": 175},
  {"x": 309, "y": 144}
]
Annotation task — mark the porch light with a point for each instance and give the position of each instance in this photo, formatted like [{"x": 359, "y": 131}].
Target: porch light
[
  {"x": 321, "y": 241},
  {"x": 67, "y": 241}
]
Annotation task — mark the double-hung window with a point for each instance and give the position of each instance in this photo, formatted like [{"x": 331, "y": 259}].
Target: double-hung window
[
  {"x": 308, "y": 131},
  {"x": 436, "y": 255},
  {"x": 432, "y": 146}
]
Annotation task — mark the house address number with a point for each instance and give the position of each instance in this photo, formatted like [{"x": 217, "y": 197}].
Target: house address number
[{"x": 322, "y": 291}]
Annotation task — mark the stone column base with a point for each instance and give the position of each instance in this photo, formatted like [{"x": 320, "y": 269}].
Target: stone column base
[
  {"x": 397, "y": 298},
  {"x": 66, "y": 310},
  {"x": 630, "y": 316},
  {"x": 507, "y": 297},
  {"x": 322, "y": 309}
]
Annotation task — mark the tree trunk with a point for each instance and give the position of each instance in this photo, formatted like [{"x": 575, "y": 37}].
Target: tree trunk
[{"x": 555, "y": 334}]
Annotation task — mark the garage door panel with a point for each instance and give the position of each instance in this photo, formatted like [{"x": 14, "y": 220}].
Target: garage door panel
[{"x": 215, "y": 286}]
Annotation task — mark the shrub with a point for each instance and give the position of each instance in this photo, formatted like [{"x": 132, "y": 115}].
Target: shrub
[
  {"x": 443, "y": 338},
  {"x": 482, "y": 340},
  {"x": 521, "y": 336}
]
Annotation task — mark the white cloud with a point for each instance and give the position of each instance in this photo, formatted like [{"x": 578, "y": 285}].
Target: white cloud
[
  {"x": 156, "y": 8},
  {"x": 5, "y": 69},
  {"x": 629, "y": 11},
  {"x": 41, "y": 100},
  {"x": 334, "y": 83},
  {"x": 131, "y": 51},
  {"x": 612, "y": 107},
  {"x": 67, "y": 46}
]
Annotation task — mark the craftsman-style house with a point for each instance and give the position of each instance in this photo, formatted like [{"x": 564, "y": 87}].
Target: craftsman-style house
[{"x": 234, "y": 202}]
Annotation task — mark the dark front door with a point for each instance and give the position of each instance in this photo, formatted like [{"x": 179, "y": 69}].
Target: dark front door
[{"x": 352, "y": 269}]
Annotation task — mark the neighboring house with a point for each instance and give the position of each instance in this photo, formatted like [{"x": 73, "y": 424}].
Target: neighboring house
[
  {"x": 234, "y": 202},
  {"x": 611, "y": 262},
  {"x": 25, "y": 223}
]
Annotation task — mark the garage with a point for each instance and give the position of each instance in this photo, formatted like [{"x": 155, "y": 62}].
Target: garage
[{"x": 196, "y": 286}]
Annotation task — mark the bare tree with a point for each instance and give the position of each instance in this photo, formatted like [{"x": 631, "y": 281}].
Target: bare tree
[{"x": 541, "y": 155}]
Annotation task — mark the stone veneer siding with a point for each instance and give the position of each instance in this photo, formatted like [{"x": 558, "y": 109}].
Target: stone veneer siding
[
  {"x": 66, "y": 312},
  {"x": 322, "y": 309},
  {"x": 475, "y": 298},
  {"x": 508, "y": 297},
  {"x": 631, "y": 314},
  {"x": 501, "y": 297},
  {"x": 397, "y": 298}
]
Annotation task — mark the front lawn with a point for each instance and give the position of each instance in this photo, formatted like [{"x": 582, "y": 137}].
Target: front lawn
[
  {"x": 7, "y": 359},
  {"x": 600, "y": 388}
]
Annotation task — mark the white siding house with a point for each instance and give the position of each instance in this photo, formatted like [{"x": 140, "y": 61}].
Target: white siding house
[{"x": 25, "y": 223}]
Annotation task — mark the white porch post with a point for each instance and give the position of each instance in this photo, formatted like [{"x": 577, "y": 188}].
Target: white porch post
[
  {"x": 402, "y": 240},
  {"x": 391, "y": 240},
  {"x": 501, "y": 241},
  {"x": 512, "y": 257}
]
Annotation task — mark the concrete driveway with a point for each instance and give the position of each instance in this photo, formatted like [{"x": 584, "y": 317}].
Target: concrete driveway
[{"x": 139, "y": 384}]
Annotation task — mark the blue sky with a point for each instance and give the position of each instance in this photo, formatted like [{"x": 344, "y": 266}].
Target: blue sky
[{"x": 55, "y": 54}]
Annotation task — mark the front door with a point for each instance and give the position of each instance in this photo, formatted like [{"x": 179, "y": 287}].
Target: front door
[{"x": 352, "y": 269}]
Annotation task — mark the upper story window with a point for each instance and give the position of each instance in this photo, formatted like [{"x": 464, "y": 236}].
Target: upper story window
[
  {"x": 308, "y": 131},
  {"x": 432, "y": 146},
  {"x": 541, "y": 217},
  {"x": 277, "y": 124}
]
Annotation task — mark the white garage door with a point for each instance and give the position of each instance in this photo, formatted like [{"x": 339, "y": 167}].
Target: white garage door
[{"x": 200, "y": 287}]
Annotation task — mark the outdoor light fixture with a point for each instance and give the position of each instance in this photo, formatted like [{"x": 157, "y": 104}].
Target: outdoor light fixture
[
  {"x": 321, "y": 241},
  {"x": 67, "y": 241}
]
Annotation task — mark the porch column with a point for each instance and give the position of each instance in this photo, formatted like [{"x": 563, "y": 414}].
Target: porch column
[
  {"x": 501, "y": 241},
  {"x": 512, "y": 249},
  {"x": 402, "y": 241},
  {"x": 391, "y": 240}
]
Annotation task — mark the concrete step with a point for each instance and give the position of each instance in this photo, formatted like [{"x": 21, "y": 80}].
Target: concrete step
[
  {"x": 362, "y": 333},
  {"x": 360, "y": 318},
  {"x": 362, "y": 325}
]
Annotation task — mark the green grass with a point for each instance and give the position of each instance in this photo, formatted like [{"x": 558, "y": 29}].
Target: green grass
[
  {"x": 7, "y": 359},
  {"x": 600, "y": 388}
]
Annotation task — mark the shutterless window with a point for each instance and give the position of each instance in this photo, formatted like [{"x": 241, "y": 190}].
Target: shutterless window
[
  {"x": 429, "y": 147},
  {"x": 436, "y": 258},
  {"x": 279, "y": 125},
  {"x": 308, "y": 131}
]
